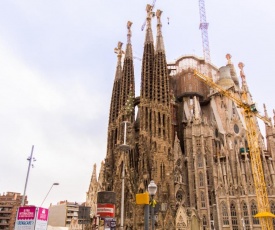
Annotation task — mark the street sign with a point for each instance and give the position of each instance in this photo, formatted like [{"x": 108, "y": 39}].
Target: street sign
[{"x": 106, "y": 210}]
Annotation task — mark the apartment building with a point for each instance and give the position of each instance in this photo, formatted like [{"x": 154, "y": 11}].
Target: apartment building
[
  {"x": 63, "y": 213},
  {"x": 9, "y": 204}
]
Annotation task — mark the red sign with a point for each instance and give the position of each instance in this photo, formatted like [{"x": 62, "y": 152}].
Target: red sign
[{"x": 106, "y": 210}]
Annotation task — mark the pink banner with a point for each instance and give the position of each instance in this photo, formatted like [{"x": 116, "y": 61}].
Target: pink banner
[
  {"x": 41, "y": 219},
  {"x": 42, "y": 214},
  {"x": 26, "y": 213}
]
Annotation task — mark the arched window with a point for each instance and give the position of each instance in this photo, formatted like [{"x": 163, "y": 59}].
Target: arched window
[
  {"x": 207, "y": 176},
  {"x": 200, "y": 164},
  {"x": 162, "y": 170},
  {"x": 254, "y": 212},
  {"x": 202, "y": 200},
  {"x": 204, "y": 222},
  {"x": 272, "y": 209},
  {"x": 209, "y": 197},
  {"x": 201, "y": 179},
  {"x": 224, "y": 214},
  {"x": 234, "y": 219},
  {"x": 245, "y": 215}
]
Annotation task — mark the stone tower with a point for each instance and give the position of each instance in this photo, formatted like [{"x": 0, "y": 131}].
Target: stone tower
[{"x": 188, "y": 138}]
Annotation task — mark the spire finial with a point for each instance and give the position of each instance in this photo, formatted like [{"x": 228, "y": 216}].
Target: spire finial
[
  {"x": 94, "y": 169},
  {"x": 241, "y": 65},
  {"x": 159, "y": 25},
  {"x": 159, "y": 43},
  {"x": 265, "y": 111},
  {"x": 129, "y": 35},
  {"x": 118, "y": 50},
  {"x": 150, "y": 14},
  {"x": 228, "y": 57}
]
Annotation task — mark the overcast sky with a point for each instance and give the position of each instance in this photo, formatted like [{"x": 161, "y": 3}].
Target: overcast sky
[{"x": 57, "y": 66}]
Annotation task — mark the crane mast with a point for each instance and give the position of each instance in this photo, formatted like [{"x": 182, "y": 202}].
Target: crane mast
[
  {"x": 249, "y": 112},
  {"x": 204, "y": 31}
]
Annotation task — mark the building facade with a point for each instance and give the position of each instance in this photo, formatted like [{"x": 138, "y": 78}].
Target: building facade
[
  {"x": 64, "y": 214},
  {"x": 188, "y": 138},
  {"x": 9, "y": 203}
]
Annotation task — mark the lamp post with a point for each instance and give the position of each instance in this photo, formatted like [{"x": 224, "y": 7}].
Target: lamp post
[
  {"x": 30, "y": 159},
  {"x": 125, "y": 148},
  {"x": 152, "y": 189},
  {"x": 48, "y": 193}
]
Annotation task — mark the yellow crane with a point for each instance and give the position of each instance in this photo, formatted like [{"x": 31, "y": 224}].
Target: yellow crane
[{"x": 249, "y": 112}]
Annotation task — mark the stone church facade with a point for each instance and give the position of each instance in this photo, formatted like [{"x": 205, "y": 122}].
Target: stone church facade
[{"x": 186, "y": 137}]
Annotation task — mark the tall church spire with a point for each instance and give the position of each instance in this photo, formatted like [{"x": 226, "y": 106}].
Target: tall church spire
[
  {"x": 246, "y": 95},
  {"x": 232, "y": 69},
  {"x": 160, "y": 44},
  {"x": 114, "y": 108},
  {"x": 160, "y": 76},
  {"x": 149, "y": 34},
  {"x": 127, "y": 80},
  {"x": 148, "y": 60},
  {"x": 129, "y": 45}
]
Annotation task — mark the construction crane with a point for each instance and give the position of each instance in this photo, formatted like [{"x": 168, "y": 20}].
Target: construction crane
[
  {"x": 249, "y": 112},
  {"x": 204, "y": 31},
  {"x": 152, "y": 5}
]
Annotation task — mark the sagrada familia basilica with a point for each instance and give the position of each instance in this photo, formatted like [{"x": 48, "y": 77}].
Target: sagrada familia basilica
[{"x": 190, "y": 139}]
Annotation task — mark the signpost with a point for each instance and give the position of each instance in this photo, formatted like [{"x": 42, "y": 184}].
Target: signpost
[
  {"x": 25, "y": 218},
  {"x": 106, "y": 201},
  {"x": 41, "y": 219},
  {"x": 31, "y": 218}
]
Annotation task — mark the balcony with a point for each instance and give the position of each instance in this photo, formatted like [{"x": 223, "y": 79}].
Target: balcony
[
  {"x": 72, "y": 209},
  {"x": 6, "y": 211}
]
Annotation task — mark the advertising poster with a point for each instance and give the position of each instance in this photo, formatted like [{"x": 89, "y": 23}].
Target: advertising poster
[
  {"x": 41, "y": 219},
  {"x": 25, "y": 219},
  {"x": 110, "y": 224}
]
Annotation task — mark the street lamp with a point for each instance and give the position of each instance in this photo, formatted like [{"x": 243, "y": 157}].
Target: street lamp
[
  {"x": 30, "y": 159},
  {"x": 152, "y": 189},
  {"x": 125, "y": 148},
  {"x": 48, "y": 193}
]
